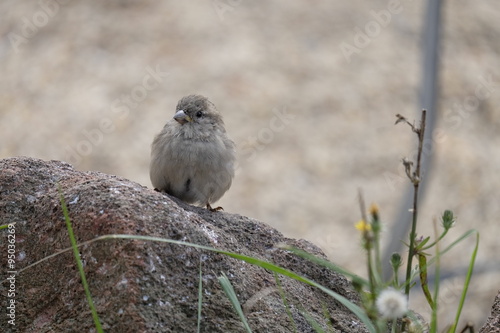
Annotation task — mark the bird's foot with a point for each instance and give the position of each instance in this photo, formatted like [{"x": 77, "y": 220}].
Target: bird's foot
[{"x": 216, "y": 209}]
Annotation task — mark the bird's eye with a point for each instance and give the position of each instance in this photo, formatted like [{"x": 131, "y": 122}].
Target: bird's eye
[{"x": 199, "y": 114}]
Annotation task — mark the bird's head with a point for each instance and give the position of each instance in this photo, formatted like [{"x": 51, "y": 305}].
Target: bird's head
[{"x": 197, "y": 110}]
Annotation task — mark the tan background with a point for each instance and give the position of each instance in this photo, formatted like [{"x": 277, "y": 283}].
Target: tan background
[{"x": 67, "y": 68}]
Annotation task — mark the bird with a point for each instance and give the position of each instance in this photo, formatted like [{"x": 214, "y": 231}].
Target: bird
[{"x": 192, "y": 158}]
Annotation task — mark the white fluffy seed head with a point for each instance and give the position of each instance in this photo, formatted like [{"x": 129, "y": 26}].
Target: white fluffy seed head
[{"x": 392, "y": 304}]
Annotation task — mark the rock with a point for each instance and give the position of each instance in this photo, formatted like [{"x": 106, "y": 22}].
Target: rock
[
  {"x": 145, "y": 286},
  {"x": 493, "y": 323}
]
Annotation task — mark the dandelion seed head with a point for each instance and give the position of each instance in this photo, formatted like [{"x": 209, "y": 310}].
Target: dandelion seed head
[{"x": 392, "y": 304}]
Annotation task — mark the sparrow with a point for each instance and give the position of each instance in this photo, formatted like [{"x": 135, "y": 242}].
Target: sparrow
[{"x": 192, "y": 158}]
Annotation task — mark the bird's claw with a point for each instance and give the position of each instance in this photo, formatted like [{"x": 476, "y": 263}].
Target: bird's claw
[{"x": 216, "y": 209}]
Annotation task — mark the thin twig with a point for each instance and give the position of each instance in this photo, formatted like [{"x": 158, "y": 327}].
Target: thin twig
[
  {"x": 362, "y": 206},
  {"x": 415, "y": 178},
  {"x": 368, "y": 245}
]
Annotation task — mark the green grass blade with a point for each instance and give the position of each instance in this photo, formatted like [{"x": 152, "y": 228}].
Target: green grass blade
[
  {"x": 5, "y": 226},
  {"x": 466, "y": 284},
  {"x": 326, "y": 315},
  {"x": 78, "y": 260},
  {"x": 200, "y": 299},
  {"x": 437, "y": 273},
  {"x": 285, "y": 303},
  {"x": 344, "y": 301},
  {"x": 452, "y": 245},
  {"x": 314, "y": 324},
  {"x": 325, "y": 263},
  {"x": 231, "y": 294}
]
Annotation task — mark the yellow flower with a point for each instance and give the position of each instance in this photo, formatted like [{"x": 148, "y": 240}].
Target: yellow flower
[{"x": 363, "y": 226}]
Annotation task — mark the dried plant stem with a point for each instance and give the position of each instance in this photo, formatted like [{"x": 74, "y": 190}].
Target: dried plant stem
[
  {"x": 415, "y": 179},
  {"x": 368, "y": 244}
]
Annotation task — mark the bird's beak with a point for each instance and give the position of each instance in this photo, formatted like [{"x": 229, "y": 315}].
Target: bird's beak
[{"x": 181, "y": 117}]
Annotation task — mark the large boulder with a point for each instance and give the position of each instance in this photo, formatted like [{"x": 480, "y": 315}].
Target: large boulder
[
  {"x": 145, "y": 286},
  {"x": 492, "y": 325}
]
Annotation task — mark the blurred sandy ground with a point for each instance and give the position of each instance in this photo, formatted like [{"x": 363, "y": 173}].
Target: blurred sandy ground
[{"x": 312, "y": 125}]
